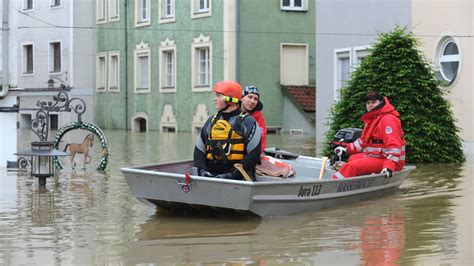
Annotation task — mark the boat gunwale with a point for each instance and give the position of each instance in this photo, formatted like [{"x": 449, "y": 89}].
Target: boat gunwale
[{"x": 139, "y": 170}]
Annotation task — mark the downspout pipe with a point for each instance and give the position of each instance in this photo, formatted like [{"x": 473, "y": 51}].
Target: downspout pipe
[
  {"x": 237, "y": 41},
  {"x": 126, "y": 63},
  {"x": 5, "y": 54}
]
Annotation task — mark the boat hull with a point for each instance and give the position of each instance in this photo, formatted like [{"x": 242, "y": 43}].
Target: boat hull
[{"x": 165, "y": 185}]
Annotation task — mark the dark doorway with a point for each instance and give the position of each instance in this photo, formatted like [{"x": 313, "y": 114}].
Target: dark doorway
[{"x": 142, "y": 125}]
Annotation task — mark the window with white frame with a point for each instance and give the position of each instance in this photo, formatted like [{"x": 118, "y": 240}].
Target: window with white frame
[
  {"x": 114, "y": 10},
  {"x": 28, "y": 66},
  {"x": 347, "y": 60},
  {"x": 55, "y": 57},
  {"x": 101, "y": 11},
  {"x": 142, "y": 11},
  {"x": 360, "y": 53},
  {"x": 202, "y": 63},
  {"x": 101, "y": 72},
  {"x": 202, "y": 54},
  {"x": 114, "y": 68},
  {"x": 167, "y": 63},
  {"x": 27, "y": 5},
  {"x": 449, "y": 59},
  {"x": 142, "y": 68},
  {"x": 168, "y": 66},
  {"x": 341, "y": 70},
  {"x": 55, "y": 3},
  {"x": 166, "y": 11},
  {"x": 293, "y": 5},
  {"x": 200, "y": 8}
]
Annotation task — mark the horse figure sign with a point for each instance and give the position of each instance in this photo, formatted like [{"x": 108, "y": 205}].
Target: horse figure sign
[{"x": 82, "y": 148}]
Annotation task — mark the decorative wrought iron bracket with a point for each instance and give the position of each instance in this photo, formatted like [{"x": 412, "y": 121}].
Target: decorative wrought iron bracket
[{"x": 60, "y": 103}]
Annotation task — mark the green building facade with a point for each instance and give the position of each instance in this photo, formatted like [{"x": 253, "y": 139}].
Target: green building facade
[{"x": 157, "y": 60}]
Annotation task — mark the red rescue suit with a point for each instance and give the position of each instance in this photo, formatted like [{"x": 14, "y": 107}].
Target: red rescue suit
[
  {"x": 381, "y": 145},
  {"x": 258, "y": 116}
]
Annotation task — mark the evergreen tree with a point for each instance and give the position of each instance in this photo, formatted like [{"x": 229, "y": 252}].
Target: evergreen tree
[{"x": 399, "y": 71}]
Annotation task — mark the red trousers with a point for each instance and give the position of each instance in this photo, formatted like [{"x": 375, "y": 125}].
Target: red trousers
[{"x": 359, "y": 164}]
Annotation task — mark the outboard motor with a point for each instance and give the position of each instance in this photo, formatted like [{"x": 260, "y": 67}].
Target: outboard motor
[{"x": 342, "y": 138}]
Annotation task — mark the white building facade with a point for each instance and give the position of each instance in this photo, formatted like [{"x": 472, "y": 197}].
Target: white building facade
[
  {"x": 51, "y": 40},
  {"x": 44, "y": 40}
]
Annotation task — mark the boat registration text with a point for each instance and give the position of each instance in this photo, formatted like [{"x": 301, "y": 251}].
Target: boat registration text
[{"x": 309, "y": 191}]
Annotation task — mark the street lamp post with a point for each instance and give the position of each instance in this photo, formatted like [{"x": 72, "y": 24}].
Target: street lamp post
[{"x": 42, "y": 151}]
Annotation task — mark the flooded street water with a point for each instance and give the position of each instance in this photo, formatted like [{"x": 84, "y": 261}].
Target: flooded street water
[{"x": 91, "y": 218}]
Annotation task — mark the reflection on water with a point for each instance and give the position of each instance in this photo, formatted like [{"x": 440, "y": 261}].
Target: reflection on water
[
  {"x": 91, "y": 218},
  {"x": 168, "y": 227},
  {"x": 382, "y": 239},
  {"x": 361, "y": 236},
  {"x": 42, "y": 207}
]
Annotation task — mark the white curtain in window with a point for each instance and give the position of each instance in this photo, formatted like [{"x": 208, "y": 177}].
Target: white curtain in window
[
  {"x": 101, "y": 9},
  {"x": 115, "y": 8},
  {"x": 114, "y": 71},
  {"x": 143, "y": 8},
  {"x": 292, "y": 3},
  {"x": 202, "y": 5},
  {"x": 343, "y": 71},
  {"x": 101, "y": 74},
  {"x": 169, "y": 69},
  {"x": 203, "y": 66},
  {"x": 169, "y": 8},
  {"x": 143, "y": 72}
]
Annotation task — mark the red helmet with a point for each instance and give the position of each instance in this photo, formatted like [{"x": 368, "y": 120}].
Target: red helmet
[{"x": 228, "y": 88}]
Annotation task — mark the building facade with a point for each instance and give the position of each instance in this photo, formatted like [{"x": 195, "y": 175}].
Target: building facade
[
  {"x": 447, "y": 42},
  {"x": 50, "y": 44},
  {"x": 45, "y": 44},
  {"x": 157, "y": 61},
  {"x": 341, "y": 44}
]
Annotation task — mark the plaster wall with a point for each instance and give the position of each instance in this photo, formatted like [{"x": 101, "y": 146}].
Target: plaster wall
[
  {"x": 295, "y": 119},
  {"x": 32, "y": 30},
  {"x": 435, "y": 20},
  {"x": 82, "y": 59},
  {"x": 264, "y": 27},
  {"x": 229, "y": 22},
  {"x": 13, "y": 60}
]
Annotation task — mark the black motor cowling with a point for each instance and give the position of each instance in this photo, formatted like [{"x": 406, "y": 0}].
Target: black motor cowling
[{"x": 342, "y": 138}]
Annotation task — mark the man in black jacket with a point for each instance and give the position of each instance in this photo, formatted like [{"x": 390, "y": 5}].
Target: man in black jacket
[{"x": 227, "y": 137}]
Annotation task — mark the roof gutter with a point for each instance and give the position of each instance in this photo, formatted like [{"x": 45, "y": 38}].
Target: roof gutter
[{"x": 5, "y": 54}]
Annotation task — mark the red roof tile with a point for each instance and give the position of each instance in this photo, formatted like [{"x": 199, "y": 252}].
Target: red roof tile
[{"x": 305, "y": 96}]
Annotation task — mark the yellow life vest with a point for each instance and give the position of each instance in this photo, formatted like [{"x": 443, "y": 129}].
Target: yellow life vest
[{"x": 224, "y": 143}]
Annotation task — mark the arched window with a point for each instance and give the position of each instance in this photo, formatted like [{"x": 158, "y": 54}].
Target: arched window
[{"x": 140, "y": 122}]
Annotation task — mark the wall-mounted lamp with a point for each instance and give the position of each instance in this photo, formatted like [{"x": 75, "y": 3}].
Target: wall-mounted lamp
[{"x": 50, "y": 84}]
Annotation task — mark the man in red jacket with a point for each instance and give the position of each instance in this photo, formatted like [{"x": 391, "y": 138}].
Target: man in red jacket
[
  {"x": 381, "y": 147},
  {"x": 251, "y": 104}
]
